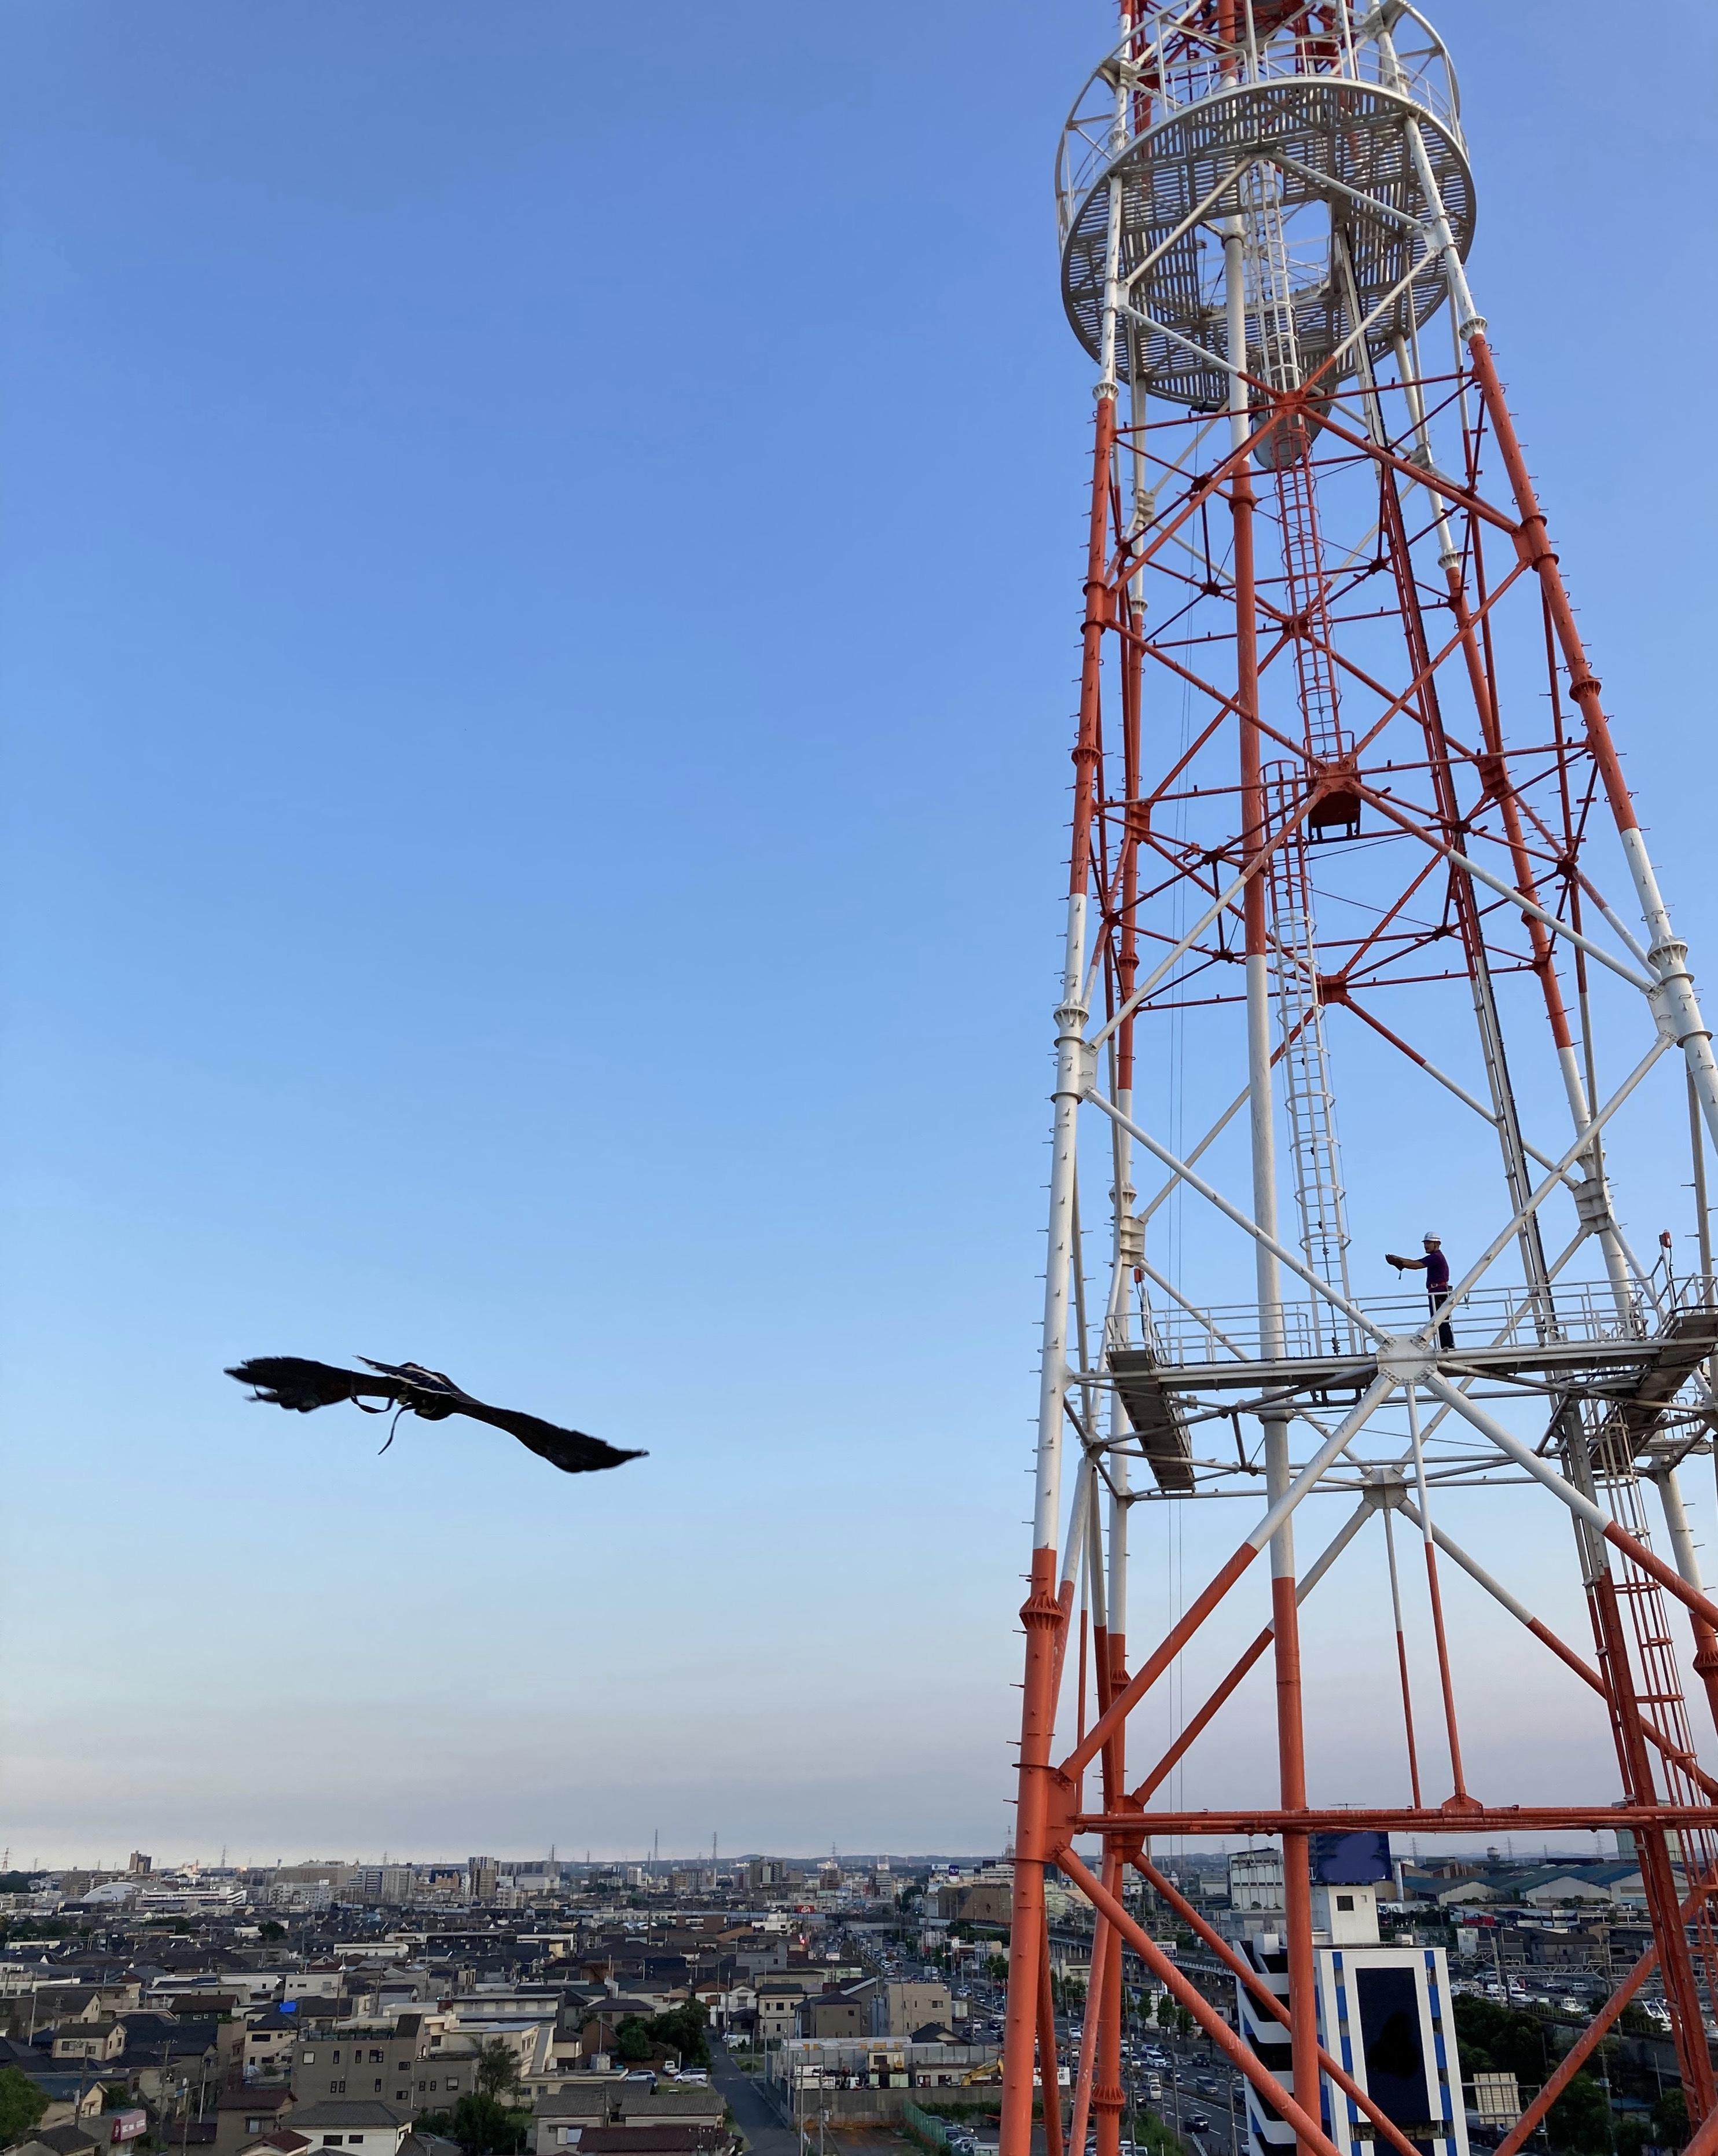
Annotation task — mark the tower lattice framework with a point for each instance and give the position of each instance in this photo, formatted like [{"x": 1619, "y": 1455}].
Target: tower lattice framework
[{"x": 1344, "y": 786}]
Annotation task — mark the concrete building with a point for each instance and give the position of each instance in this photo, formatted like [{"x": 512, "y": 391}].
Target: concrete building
[
  {"x": 777, "y": 2006},
  {"x": 379, "y": 2062},
  {"x": 384, "y": 1886},
  {"x": 1383, "y": 2010},
  {"x": 910, "y": 2007},
  {"x": 443, "y": 2076},
  {"x": 1255, "y": 1880}
]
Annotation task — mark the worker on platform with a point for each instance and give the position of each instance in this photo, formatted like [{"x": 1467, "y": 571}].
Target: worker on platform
[{"x": 1436, "y": 1268}]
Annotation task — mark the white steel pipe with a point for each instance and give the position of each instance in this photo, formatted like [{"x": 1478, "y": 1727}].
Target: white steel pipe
[
  {"x": 1282, "y": 1510},
  {"x": 1073, "y": 1066},
  {"x": 1682, "y": 1549},
  {"x": 1212, "y": 1196}
]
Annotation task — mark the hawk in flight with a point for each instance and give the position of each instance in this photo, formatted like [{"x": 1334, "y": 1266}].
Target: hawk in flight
[{"x": 290, "y": 1381}]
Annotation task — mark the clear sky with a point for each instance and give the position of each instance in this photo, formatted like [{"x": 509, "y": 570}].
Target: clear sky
[{"x": 539, "y": 569}]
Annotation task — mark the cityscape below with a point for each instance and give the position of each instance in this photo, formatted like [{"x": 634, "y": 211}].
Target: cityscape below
[{"x": 671, "y": 2007}]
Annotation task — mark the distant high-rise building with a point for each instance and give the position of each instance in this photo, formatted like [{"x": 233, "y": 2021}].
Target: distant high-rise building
[
  {"x": 1384, "y": 2011},
  {"x": 1255, "y": 1879}
]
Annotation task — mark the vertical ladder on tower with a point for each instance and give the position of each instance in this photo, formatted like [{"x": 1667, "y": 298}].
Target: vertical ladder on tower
[
  {"x": 1658, "y": 1677},
  {"x": 1313, "y": 1146},
  {"x": 1314, "y": 1150}
]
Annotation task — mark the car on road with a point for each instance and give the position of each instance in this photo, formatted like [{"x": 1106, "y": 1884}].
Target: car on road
[{"x": 1197, "y": 2122}]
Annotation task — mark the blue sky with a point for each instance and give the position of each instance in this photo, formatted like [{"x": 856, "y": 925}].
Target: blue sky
[{"x": 539, "y": 564}]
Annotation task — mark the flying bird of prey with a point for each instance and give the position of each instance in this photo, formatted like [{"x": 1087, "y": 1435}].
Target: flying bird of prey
[{"x": 290, "y": 1381}]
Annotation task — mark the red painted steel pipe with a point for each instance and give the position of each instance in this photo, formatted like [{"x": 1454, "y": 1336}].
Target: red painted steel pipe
[
  {"x": 1240, "y": 2055},
  {"x": 1272, "y": 2004}
]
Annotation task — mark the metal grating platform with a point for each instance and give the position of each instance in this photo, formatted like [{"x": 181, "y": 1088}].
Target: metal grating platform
[{"x": 1640, "y": 1371}]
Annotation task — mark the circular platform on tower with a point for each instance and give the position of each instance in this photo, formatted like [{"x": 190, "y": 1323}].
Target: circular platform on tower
[{"x": 1323, "y": 154}]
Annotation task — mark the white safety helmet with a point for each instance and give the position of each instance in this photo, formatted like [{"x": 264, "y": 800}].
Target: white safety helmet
[{"x": 1428, "y": 1237}]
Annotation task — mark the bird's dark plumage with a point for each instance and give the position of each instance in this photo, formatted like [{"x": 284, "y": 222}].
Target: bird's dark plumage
[{"x": 290, "y": 1381}]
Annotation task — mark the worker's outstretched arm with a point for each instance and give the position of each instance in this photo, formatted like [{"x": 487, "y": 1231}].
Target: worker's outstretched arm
[{"x": 1409, "y": 1264}]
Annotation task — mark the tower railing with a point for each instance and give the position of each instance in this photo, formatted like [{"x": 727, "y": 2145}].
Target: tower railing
[
  {"x": 1176, "y": 61},
  {"x": 1583, "y": 1311}
]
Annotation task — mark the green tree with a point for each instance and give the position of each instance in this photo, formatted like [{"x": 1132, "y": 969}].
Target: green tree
[
  {"x": 632, "y": 2039},
  {"x": 1580, "y": 2119},
  {"x": 1494, "y": 2039},
  {"x": 484, "y": 2127},
  {"x": 22, "y": 2103},
  {"x": 268, "y": 1929},
  {"x": 1670, "y": 2119},
  {"x": 683, "y": 2029},
  {"x": 1150, "y": 2132},
  {"x": 497, "y": 2069}
]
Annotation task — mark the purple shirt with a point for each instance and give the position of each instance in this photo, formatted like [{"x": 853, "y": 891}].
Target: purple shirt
[{"x": 1437, "y": 1271}]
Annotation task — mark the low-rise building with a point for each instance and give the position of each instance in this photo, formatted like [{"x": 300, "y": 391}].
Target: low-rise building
[
  {"x": 666, "y": 2139},
  {"x": 379, "y": 2062},
  {"x": 244, "y": 2115},
  {"x": 443, "y": 2074},
  {"x": 681, "y": 2104},
  {"x": 270, "y": 2039},
  {"x": 878, "y": 2062},
  {"x": 777, "y": 2009},
  {"x": 833, "y": 2014},
  {"x": 96, "y": 2041},
  {"x": 907, "y": 2006},
  {"x": 376, "y": 2128},
  {"x": 285, "y": 2142},
  {"x": 562, "y": 2114}
]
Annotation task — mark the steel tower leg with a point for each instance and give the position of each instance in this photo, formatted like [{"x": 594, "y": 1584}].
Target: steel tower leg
[{"x": 1041, "y": 1614}]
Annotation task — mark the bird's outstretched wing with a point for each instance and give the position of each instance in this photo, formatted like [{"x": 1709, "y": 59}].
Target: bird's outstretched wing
[
  {"x": 290, "y": 1381},
  {"x": 570, "y": 1450}
]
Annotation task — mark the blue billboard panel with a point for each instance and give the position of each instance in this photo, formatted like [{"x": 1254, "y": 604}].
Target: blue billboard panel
[{"x": 1350, "y": 1860}]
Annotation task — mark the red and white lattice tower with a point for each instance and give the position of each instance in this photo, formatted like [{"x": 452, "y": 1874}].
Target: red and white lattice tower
[{"x": 1344, "y": 782}]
